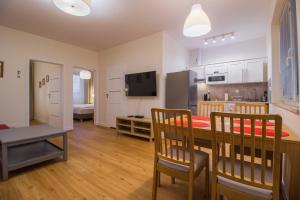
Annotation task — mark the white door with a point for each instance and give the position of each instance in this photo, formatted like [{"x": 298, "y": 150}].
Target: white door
[
  {"x": 54, "y": 95},
  {"x": 114, "y": 94},
  {"x": 235, "y": 72},
  {"x": 255, "y": 71}
]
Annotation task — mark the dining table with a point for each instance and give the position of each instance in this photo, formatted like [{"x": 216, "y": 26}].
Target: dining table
[{"x": 290, "y": 148}]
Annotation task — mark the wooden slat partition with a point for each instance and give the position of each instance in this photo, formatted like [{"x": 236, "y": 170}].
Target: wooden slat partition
[{"x": 225, "y": 135}]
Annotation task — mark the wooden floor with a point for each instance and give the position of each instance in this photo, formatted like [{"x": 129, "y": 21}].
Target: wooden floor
[{"x": 101, "y": 165}]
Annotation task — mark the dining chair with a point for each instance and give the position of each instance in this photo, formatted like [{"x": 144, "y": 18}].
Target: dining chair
[
  {"x": 252, "y": 108},
  {"x": 174, "y": 149},
  {"x": 248, "y": 177},
  {"x": 204, "y": 110},
  {"x": 206, "y": 107}
]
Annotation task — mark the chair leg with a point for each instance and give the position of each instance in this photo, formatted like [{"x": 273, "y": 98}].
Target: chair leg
[
  {"x": 155, "y": 182},
  {"x": 207, "y": 179},
  {"x": 190, "y": 189},
  {"x": 173, "y": 180},
  {"x": 158, "y": 179},
  {"x": 154, "y": 189}
]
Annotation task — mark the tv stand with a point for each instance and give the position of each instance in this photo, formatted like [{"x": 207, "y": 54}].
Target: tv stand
[{"x": 139, "y": 127}]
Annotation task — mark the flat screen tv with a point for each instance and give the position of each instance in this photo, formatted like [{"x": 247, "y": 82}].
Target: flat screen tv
[{"x": 141, "y": 84}]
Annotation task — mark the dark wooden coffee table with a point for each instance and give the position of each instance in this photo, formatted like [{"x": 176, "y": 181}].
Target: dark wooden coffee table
[{"x": 22, "y": 147}]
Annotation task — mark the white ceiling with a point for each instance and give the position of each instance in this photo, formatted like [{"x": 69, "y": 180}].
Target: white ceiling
[{"x": 113, "y": 22}]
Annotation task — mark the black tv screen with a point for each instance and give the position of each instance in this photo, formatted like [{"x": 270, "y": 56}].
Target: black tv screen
[{"x": 141, "y": 84}]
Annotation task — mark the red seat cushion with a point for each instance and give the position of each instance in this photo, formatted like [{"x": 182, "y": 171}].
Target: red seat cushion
[
  {"x": 3, "y": 126},
  {"x": 258, "y": 131}
]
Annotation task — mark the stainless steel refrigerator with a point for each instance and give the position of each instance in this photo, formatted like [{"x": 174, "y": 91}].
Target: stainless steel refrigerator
[{"x": 181, "y": 91}]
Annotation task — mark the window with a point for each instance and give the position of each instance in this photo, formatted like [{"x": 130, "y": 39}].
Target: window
[
  {"x": 78, "y": 90},
  {"x": 289, "y": 55}
]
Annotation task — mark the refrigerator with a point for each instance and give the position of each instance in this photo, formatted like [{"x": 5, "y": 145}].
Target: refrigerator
[{"x": 182, "y": 91}]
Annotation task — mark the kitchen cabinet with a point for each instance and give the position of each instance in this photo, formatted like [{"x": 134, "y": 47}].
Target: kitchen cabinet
[
  {"x": 255, "y": 71},
  {"x": 236, "y": 72},
  {"x": 216, "y": 69}
]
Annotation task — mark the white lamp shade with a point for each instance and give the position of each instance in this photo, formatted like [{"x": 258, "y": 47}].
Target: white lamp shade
[
  {"x": 197, "y": 23},
  {"x": 74, "y": 7},
  {"x": 84, "y": 74}
]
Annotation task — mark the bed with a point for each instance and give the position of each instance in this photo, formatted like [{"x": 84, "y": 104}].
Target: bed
[{"x": 83, "y": 111}]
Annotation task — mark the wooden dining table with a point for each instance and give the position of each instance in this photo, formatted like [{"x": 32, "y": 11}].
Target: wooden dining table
[{"x": 290, "y": 147}]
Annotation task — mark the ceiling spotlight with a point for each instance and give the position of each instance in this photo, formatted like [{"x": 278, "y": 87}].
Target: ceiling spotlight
[
  {"x": 223, "y": 38},
  {"x": 232, "y": 36},
  {"x": 214, "y": 41},
  {"x": 205, "y": 43}
]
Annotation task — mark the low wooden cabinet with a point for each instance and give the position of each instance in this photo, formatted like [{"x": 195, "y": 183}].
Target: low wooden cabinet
[{"x": 135, "y": 126}]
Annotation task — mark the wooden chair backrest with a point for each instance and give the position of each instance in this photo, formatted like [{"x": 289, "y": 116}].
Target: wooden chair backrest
[
  {"x": 251, "y": 108},
  {"x": 225, "y": 138},
  {"x": 206, "y": 107},
  {"x": 179, "y": 136}
]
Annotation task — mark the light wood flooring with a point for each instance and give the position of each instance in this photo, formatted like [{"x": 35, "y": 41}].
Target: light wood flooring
[{"x": 101, "y": 165}]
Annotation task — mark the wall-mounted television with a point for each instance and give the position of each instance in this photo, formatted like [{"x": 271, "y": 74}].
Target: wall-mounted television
[{"x": 141, "y": 84}]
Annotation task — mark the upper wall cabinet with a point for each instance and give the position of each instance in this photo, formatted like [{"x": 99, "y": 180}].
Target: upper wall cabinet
[
  {"x": 236, "y": 72},
  {"x": 255, "y": 71}
]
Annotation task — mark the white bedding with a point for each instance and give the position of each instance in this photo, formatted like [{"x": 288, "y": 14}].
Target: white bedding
[{"x": 83, "y": 108}]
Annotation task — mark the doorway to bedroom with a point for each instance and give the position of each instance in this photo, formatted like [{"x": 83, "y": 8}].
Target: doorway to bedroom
[{"x": 83, "y": 95}]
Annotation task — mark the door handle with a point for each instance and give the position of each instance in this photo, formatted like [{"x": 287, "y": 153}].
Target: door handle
[
  {"x": 49, "y": 95},
  {"x": 107, "y": 95}
]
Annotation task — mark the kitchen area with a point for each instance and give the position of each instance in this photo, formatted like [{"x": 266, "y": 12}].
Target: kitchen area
[{"x": 230, "y": 79}]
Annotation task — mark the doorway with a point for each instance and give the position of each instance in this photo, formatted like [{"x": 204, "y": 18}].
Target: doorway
[
  {"x": 83, "y": 94},
  {"x": 45, "y": 88}
]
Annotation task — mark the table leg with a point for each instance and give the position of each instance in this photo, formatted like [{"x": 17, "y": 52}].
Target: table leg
[
  {"x": 4, "y": 162},
  {"x": 65, "y": 143}
]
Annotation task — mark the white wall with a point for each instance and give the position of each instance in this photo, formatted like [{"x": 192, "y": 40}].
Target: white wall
[
  {"x": 273, "y": 43},
  {"x": 255, "y": 48},
  {"x": 157, "y": 52},
  {"x": 175, "y": 56},
  {"x": 16, "y": 49},
  {"x": 141, "y": 55}
]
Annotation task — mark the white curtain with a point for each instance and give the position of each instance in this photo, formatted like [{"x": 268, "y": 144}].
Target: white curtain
[{"x": 78, "y": 90}]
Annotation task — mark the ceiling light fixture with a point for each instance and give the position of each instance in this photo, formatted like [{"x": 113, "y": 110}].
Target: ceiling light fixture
[
  {"x": 74, "y": 7},
  {"x": 232, "y": 36},
  {"x": 222, "y": 37},
  {"x": 84, "y": 74},
  {"x": 197, "y": 23}
]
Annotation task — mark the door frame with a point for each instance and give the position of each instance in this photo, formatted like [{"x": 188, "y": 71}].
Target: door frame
[
  {"x": 96, "y": 96},
  {"x": 27, "y": 89}
]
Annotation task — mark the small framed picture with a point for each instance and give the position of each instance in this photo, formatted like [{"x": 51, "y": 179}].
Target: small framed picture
[
  {"x": 47, "y": 78},
  {"x": 43, "y": 81},
  {"x": 40, "y": 84},
  {"x": 1, "y": 69}
]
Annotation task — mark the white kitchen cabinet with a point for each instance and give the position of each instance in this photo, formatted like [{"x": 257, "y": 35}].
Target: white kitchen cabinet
[
  {"x": 255, "y": 71},
  {"x": 216, "y": 69},
  {"x": 236, "y": 72}
]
